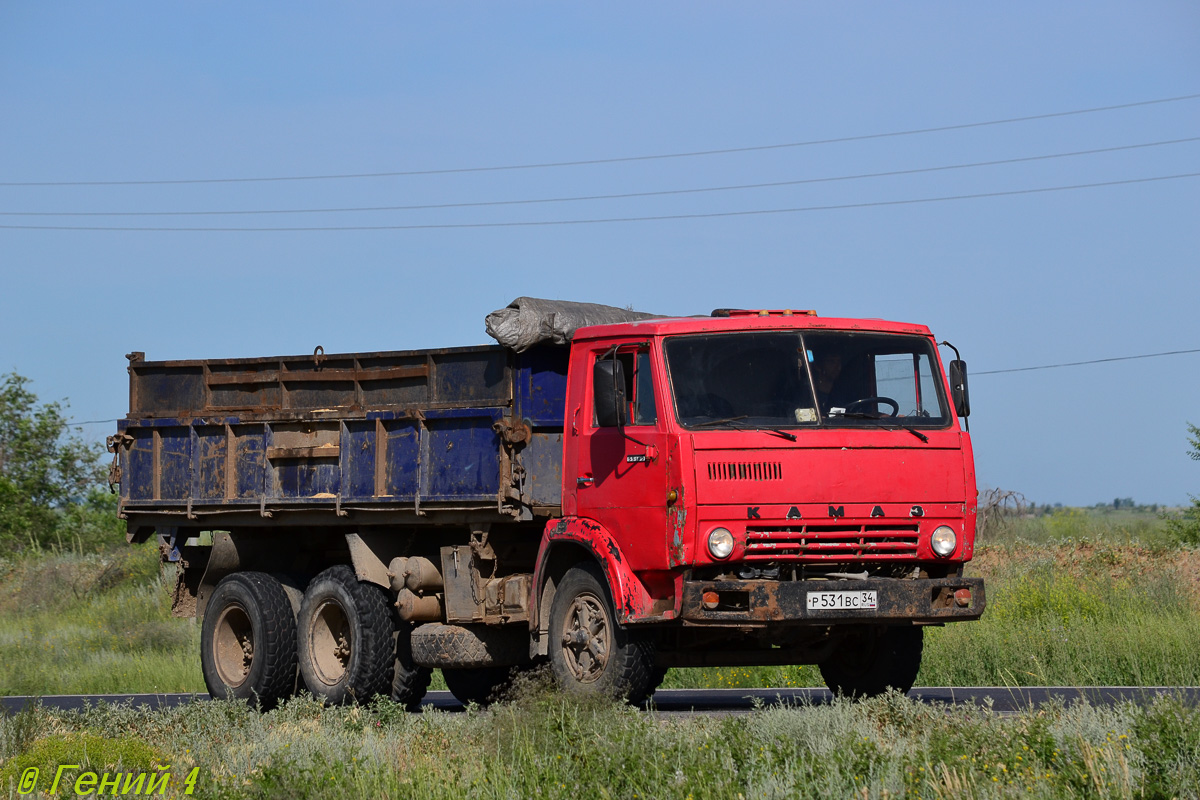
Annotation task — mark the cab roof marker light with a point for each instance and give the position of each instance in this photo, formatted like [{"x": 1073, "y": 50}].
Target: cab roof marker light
[{"x": 763, "y": 312}]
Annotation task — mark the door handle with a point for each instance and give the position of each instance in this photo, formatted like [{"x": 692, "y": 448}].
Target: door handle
[{"x": 585, "y": 480}]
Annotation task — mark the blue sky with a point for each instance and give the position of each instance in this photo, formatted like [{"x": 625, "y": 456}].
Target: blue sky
[{"x": 153, "y": 91}]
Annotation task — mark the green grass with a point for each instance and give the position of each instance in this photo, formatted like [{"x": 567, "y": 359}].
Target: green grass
[
  {"x": 543, "y": 745},
  {"x": 1107, "y": 525},
  {"x": 78, "y": 624},
  {"x": 1083, "y": 613}
]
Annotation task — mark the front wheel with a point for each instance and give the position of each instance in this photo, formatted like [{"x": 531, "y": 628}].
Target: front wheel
[
  {"x": 248, "y": 640},
  {"x": 590, "y": 654},
  {"x": 871, "y": 661},
  {"x": 346, "y": 648}
]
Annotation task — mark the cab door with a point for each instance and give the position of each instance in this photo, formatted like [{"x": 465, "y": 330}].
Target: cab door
[{"x": 620, "y": 473}]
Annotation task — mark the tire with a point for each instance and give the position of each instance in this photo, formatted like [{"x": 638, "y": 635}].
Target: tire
[
  {"x": 480, "y": 686},
  {"x": 248, "y": 640},
  {"x": 470, "y": 646},
  {"x": 409, "y": 681},
  {"x": 346, "y": 650},
  {"x": 590, "y": 655},
  {"x": 872, "y": 661},
  {"x": 657, "y": 675}
]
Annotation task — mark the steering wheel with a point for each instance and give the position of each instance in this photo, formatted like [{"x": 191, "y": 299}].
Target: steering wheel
[{"x": 875, "y": 401}]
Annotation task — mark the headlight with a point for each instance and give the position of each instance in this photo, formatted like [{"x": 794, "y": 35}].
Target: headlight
[
  {"x": 720, "y": 543},
  {"x": 943, "y": 541}
]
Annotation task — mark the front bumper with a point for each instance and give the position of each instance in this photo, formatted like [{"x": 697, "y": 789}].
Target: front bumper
[{"x": 761, "y": 602}]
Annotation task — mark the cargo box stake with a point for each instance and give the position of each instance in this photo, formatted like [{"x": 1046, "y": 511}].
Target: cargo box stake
[{"x": 114, "y": 445}]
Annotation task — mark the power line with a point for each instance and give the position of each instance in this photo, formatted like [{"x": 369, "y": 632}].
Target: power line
[
  {"x": 1093, "y": 361},
  {"x": 602, "y": 220},
  {"x": 617, "y": 160},
  {"x": 986, "y": 372},
  {"x": 620, "y": 196}
]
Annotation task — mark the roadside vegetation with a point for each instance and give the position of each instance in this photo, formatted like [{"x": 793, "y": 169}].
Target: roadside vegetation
[
  {"x": 73, "y": 623},
  {"x": 544, "y": 745}
]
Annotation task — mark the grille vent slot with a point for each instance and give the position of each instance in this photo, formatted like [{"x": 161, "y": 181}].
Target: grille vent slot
[
  {"x": 745, "y": 471},
  {"x": 832, "y": 543}
]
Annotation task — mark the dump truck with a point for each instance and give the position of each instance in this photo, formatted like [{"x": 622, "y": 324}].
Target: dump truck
[{"x": 753, "y": 487}]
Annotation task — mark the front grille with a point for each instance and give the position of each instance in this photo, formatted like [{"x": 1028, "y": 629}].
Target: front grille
[
  {"x": 745, "y": 471},
  {"x": 832, "y": 543}
]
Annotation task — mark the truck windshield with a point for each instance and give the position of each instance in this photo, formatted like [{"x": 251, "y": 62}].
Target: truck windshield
[{"x": 819, "y": 378}]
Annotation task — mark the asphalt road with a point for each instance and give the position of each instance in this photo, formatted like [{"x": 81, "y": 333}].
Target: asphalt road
[{"x": 726, "y": 701}]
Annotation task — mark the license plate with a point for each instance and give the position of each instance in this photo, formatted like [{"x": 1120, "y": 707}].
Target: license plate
[{"x": 853, "y": 601}]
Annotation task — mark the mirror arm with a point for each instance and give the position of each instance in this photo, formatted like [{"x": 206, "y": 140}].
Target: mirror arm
[{"x": 952, "y": 347}]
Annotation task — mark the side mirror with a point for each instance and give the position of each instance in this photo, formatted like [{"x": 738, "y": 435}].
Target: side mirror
[
  {"x": 958, "y": 388},
  {"x": 608, "y": 387}
]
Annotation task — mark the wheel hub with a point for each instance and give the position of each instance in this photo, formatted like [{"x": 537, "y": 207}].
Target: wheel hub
[
  {"x": 331, "y": 644},
  {"x": 585, "y": 638},
  {"x": 233, "y": 645}
]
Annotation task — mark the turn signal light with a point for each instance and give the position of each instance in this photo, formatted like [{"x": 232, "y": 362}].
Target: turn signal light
[
  {"x": 963, "y": 598},
  {"x": 711, "y": 600}
]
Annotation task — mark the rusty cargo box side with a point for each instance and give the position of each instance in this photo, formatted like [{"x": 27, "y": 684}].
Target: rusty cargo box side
[{"x": 387, "y": 437}]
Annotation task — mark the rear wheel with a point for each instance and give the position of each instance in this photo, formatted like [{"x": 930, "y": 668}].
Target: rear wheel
[
  {"x": 870, "y": 661},
  {"x": 589, "y": 653},
  {"x": 248, "y": 640},
  {"x": 346, "y": 649}
]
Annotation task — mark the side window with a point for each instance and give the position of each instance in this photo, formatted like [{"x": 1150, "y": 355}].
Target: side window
[
  {"x": 644, "y": 412},
  {"x": 639, "y": 388}
]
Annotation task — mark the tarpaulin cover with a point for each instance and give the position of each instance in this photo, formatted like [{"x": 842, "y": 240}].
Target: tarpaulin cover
[{"x": 530, "y": 320}]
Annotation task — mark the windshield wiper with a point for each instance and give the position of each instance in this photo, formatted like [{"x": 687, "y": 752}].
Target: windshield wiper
[
  {"x": 877, "y": 422},
  {"x": 708, "y": 422},
  {"x": 791, "y": 437}
]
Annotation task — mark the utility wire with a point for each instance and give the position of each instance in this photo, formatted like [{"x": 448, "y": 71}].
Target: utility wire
[
  {"x": 1081, "y": 363},
  {"x": 623, "y": 159},
  {"x": 601, "y": 220},
  {"x": 987, "y": 372},
  {"x": 621, "y": 196}
]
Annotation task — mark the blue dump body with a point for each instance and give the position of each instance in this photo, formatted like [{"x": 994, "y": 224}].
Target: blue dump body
[{"x": 460, "y": 429}]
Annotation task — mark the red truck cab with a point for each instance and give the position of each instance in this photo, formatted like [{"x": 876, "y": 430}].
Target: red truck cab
[{"x": 764, "y": 488}]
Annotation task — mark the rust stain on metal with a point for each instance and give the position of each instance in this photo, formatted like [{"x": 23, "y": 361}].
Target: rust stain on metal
[
  {"x": 628, "y": 592},
  {"x": 677, "y": 518}
]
